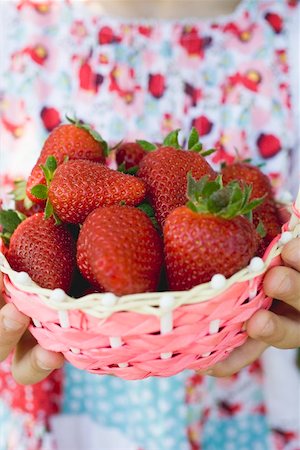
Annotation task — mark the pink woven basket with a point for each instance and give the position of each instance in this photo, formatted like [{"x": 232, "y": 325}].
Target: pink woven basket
[{"x": 151, "y": 334}]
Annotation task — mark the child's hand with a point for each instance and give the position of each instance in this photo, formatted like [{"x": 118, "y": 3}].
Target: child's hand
[
  {"x": 280, "y": 328},
  {"x": 31, "y": 363}
]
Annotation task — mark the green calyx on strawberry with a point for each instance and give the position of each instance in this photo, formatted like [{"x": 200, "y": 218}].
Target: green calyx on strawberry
[
  {"x": 97, "y": 136},
  {"x": 172, "y": 140},
  {"x": 211, "y": 197},
  {"x": 41, "y": 191},
  {"x": 9, "y": 222},
  {"x": 165, "y": 169}
]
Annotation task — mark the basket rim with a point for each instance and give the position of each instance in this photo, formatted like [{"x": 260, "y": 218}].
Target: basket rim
[{"x": 154, "y": 303}]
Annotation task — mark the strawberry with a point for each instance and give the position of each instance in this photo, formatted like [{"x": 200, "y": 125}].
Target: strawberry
[
  {"x": 121, "y": 249},
  {"x": 67, "y": 141},
  {"x": 77, "y": 187},
  {"x": 267, "y": 212},
  {"x": 129, "y": 154},
  {"x": 165, "y": 169},
  {"x": 210, "y": 235},
  {"x": 45, "y": 251}
]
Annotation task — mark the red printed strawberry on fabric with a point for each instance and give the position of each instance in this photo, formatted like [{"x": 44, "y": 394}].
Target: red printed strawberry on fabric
[
  {"x": 121, "y": 249},
  {"x": 268, "y": 145},
  {"x": 67, "y": 141},
  {"x": 165, "y": 169},
  {"x": 267, "y": 212},
  {"x": 39, "y": 247},
  {"x": 275, "y": 21},
  {"x": 50, "y": 117},
  {"x": 77, "y": 187},
  {"x": 210, "y": 235}
]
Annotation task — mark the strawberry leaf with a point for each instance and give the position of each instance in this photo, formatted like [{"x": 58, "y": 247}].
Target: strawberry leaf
[
  {"x": 51, "y": 164},
  {"x": 196, "y": 148},
  {"x": 261, "y": 229},
  {"x": 171, "y": 140},
  {"x": 149, "y": 211},
  {"x": 27, "y": 203},
  {"x": 193, "y": 138},
  {"x": 19, "y": 191},
  {"x": 122, "y": 167},
  {"x": 49, "y": 169},
  {"x": 131, "y": 171},
  {"x": 9, "y": 221},
  {"x": 40, "y": 191},
  {"x": 48, "y": 209},
  {"x": 147, "y": 146},
  {"x": 205, "y": 153}
]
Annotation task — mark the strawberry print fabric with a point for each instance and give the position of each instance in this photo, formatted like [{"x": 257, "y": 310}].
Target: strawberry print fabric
[{"x": 228, "y": 77}]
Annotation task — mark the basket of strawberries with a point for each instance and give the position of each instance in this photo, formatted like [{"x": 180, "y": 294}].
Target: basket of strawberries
[{"x": 143, "y": 271}]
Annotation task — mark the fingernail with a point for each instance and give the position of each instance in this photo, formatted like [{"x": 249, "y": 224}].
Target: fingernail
[
  {"x": 43, "y": 366},
  {"x": 11, "y": 325},
  {"x": 268, "y": 329}
]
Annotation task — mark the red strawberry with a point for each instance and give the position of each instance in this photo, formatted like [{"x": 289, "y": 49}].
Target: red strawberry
[
  {"x": 209, "y": 235},
  {"x": 165, "y": 170},
  {"x": 268, "y": 145},
  {"x": 45, "y": 251},
  {"x": 122, "y": 250},
  {"x": 267, "y": 212},
  {"x": 129, "y": 154},
  {"x": 80, "y": 186},
  {"x": 72, "y": 141}
]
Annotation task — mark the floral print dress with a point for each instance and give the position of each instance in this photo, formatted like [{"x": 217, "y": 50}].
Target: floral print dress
[{"x": 231, "y": 79}]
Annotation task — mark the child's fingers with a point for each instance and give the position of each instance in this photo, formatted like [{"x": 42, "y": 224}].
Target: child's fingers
[
  {"x": 291, "y": 254},
  {"x": 283, "y": 283},
  {"x": 12, "y": 326},
  {"x": 275, "y": 330},
  {"x": 239, "y": 358},
  {"x": 33, "y": 364}
]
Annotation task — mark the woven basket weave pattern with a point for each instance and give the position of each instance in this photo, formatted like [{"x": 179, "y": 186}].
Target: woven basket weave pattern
[{"x": 152, "y": 334}]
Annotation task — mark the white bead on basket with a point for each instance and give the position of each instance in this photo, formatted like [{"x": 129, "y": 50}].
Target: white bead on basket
[
  {"x": 108, "y": 300},
  {"x": 166, "y": 320}
]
